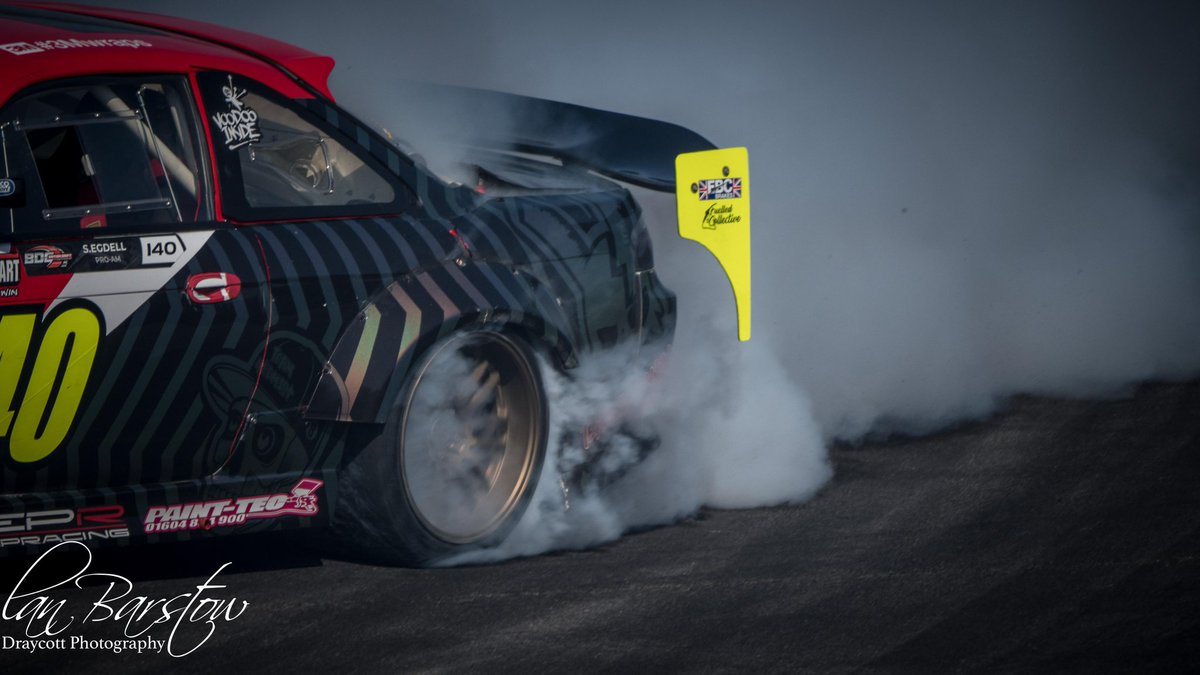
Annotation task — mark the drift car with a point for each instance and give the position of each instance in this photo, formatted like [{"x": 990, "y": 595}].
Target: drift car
[{"x": 227, "y": 306}]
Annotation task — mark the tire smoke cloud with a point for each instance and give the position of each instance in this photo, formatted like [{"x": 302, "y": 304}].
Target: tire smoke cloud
[{"x": 954, "y": 202}]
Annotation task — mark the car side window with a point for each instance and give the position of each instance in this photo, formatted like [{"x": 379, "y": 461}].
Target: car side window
[
  {"x": 276, "y": 161},
  {"x": 95, "y": 154}
]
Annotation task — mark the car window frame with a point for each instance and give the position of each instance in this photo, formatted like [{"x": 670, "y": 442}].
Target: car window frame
[
  {"x": 233, "y": 204},
  {"x": 35, "y": 198}
]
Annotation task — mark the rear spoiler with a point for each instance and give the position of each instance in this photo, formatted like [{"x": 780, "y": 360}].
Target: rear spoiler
[
  {"x": 711, "y": 185},
  {"x": 630, "y": 149}
]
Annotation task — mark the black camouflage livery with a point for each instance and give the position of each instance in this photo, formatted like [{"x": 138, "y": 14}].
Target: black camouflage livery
[{"x": 249, "y": 408}]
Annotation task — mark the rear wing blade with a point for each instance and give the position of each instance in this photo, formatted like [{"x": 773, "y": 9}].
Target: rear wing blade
[
  {"x": 712, "y": 186},
  {"x": 631, "y": 149}
]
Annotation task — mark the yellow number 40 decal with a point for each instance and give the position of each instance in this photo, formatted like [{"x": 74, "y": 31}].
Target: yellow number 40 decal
[{"x": 64, "y": 358}]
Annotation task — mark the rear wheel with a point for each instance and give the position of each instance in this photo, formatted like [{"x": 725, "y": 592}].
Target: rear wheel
[{"x": 459, "y": 459}]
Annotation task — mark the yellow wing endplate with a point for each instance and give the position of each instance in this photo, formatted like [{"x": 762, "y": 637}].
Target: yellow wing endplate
[{"x": 712, "y": 195}]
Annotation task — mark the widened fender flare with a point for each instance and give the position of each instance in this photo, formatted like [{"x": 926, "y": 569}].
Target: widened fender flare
[{"x": 368, "y": 367}]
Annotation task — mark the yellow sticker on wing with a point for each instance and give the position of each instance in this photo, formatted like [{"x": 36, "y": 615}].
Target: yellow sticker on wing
[{"x": 712, "y": 194}]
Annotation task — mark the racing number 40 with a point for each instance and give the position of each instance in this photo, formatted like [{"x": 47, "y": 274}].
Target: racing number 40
[{"x": 61, "y": 365}]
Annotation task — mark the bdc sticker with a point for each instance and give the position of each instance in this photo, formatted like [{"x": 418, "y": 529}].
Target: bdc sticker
[
  {"x": 240, "y": 123},
  {"x": 46, "y": 257},
  {"x": 8, "y": 187}
]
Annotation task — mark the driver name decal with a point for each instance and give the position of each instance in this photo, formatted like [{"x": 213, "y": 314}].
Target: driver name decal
[{"x": 239, "y": 124}]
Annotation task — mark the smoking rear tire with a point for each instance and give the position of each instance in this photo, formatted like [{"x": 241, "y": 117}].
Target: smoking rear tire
[{"x": 459, "y": 459}]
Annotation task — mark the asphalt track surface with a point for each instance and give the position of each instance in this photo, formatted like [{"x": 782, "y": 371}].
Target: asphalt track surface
[{"x": 1057, "y": 536}]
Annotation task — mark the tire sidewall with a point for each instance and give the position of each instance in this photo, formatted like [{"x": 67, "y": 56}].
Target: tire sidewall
[{"x": 374, "y": 503}]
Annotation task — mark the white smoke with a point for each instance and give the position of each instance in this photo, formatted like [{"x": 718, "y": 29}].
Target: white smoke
[
  {"x": 953, "y": 203},
  {"x": 734, "y": 433}
]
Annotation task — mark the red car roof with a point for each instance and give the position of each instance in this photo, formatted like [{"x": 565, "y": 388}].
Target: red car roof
[{"x": 41, "y": 41}]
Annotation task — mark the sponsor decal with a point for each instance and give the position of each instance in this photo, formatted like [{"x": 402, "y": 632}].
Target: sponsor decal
[
  {"x": 72, "y": 257},
  {"x": 239, "y": 124},
  {"x": 20, "y": 48},
  {"x": 719, "y": 214},
  {"x": 302, "y": 501},
  {"x": 104, "y": 255},
  {"x": 12, "y": 193},
  {"x": 213, "y": 287},
  {"x": 719, "y": 188},
  {"x": 24, "y": 48},
  {"x": 54, "y": 526},
  {"x": 134, "y": 281},
  {"x": 48, "y": 258},
  {"x": 10, "y": 275}
]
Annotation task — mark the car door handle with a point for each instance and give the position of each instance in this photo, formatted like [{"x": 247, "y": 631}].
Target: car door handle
[{"x": 213, "y": 287}]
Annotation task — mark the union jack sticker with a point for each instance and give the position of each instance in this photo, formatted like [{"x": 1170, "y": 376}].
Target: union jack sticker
[{"x": 719, "y": 188}]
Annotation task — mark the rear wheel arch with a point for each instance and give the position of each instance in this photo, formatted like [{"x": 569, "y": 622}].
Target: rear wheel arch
[
  {"x": 372, "y": 359},
  {"x": 459, "y": 456}
]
